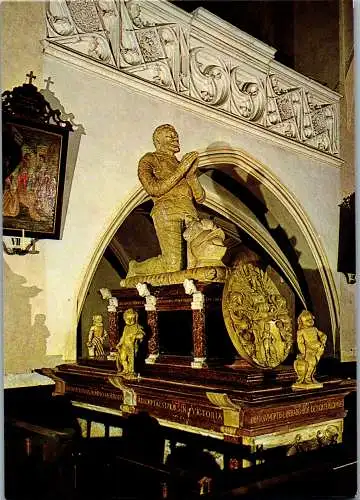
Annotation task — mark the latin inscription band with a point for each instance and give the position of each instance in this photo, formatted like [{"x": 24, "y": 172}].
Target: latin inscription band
[
  {"x": 296, "y": 410},
  {"x": 182, "y": 408}
]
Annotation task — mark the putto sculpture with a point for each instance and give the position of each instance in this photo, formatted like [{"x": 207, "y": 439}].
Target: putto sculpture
[
  {"x": 311, "y": 343},
  {"x": 96, "y": 338},
  {"x": 128, "y": 346}
]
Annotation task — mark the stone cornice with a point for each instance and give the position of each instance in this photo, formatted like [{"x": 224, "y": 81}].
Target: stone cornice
[
  {"x": 218, "y": 30},
  {"x": 141, "y": 86}
]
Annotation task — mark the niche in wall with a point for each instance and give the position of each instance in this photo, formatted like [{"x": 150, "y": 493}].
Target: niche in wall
[
  {"x": 136, "y": 239},
  {"x": 262, "y": 223}
]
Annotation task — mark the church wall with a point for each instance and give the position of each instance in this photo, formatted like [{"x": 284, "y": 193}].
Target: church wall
[
  {"x": 316, "y": 40},
  {"x": 118, "y": 122},
  {"x": 347, "y": 134},
  {"x": 20, "y": 42}
]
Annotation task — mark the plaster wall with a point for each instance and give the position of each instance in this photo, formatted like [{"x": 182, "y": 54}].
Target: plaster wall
[{"x": 20, "y": 37}]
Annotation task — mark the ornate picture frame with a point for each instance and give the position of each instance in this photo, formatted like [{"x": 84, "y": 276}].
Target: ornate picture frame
[
  {"x": 35, "y": 141},
  {"x": 33, "y": 192}
]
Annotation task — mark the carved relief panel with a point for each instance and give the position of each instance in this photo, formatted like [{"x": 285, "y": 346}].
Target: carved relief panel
[{"x": 152, "y": 41}]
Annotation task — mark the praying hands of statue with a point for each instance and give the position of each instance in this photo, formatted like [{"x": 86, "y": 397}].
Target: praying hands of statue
[
  {"x": 160, "y": 178},
  {"x": 191, "y": 177}
]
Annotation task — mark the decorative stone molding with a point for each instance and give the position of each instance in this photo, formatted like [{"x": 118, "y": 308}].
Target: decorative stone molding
[
  {"x": 197, "y": 303},
  {"x": 152, "y": 321},
  {"x": 105, "y": 293},
  {"x": 113, "y": 303},
  {"x": 203, "y": 58},
  {"x": 150, "y": 300}
]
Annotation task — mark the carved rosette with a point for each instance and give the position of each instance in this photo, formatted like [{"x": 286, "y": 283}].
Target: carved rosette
[{"x": 256, "y": 317}]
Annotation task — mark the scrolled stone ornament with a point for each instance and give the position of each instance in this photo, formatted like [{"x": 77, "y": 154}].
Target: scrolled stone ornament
[{"x": 256, "y": 317}]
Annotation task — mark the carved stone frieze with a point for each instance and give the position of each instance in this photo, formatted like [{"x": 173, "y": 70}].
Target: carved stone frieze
[
  {"x": 210, "y": 78},
  {"x": 248, "y": 96},
  {"x": 298, "y": 114},
  {"x": 158, "y": 43}
]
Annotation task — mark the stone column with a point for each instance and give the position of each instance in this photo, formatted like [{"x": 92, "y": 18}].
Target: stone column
[
  {"x": 198, "y": 324},
  {"x": 152, "y": 321}
]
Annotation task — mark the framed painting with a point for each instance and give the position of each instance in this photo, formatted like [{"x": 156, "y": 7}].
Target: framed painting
[{"x": 34, "y": 162}]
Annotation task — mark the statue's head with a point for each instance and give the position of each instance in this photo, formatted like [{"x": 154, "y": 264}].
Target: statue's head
[
  {"x": 97, "y": 319},
  {"x": 166, "y": 139},
  {"x": 305, "y": 319},
  {"x": 130, "y": 316}
]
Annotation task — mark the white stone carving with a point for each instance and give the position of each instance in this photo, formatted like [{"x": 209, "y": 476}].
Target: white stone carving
[
  {"x": 198, "y": 301},
  {"x": 150, "y": 45},
  {"x": 209, "y": 77},
  {"x": 198, "y": 363},
  {"x": 113, "y": 304},
  {"x": 150, "y": 300},
  {"x": 105, "y": 293},
  {"x": 199, "y": 56},
  {"x": 84, "y": 15},
  {"x": 298, "y": 114},
  {"x": 136, "y": 15},
  {"x": 59, "y": 20},
  {"x": 113, "y": 301},
  {"x": 110, "y": 20},
  {"x": 248, "y": 95},
  {"x": 143, "y": 289},
  {"x": 151, "y": 359},
  {"x": 189, "y": 287}
]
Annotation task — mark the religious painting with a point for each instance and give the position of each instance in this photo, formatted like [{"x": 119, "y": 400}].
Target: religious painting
[{"x": 33, "y": 178}]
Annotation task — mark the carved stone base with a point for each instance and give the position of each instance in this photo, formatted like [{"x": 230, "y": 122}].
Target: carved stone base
[
  {"x": 216, "y": 404},
  {"x": 151, "y": 359},
  {"x": 199, "y": 363},
  {"x": 303, "y": 386},
  {"x": 300, "y": 439}
]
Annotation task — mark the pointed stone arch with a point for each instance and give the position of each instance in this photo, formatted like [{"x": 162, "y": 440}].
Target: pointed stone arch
[{"x": 236, "y": 158}]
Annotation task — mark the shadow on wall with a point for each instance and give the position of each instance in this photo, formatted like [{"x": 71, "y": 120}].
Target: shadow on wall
[
  {"x": 73, "y": 145},
  {"x": 24, "y": 341}
]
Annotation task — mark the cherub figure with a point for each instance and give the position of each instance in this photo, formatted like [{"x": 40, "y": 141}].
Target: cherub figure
[
  {"x": 97, "y": 335},
  {"x": 311, "y": 343},
  {"x": 128, "y": 346}
]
